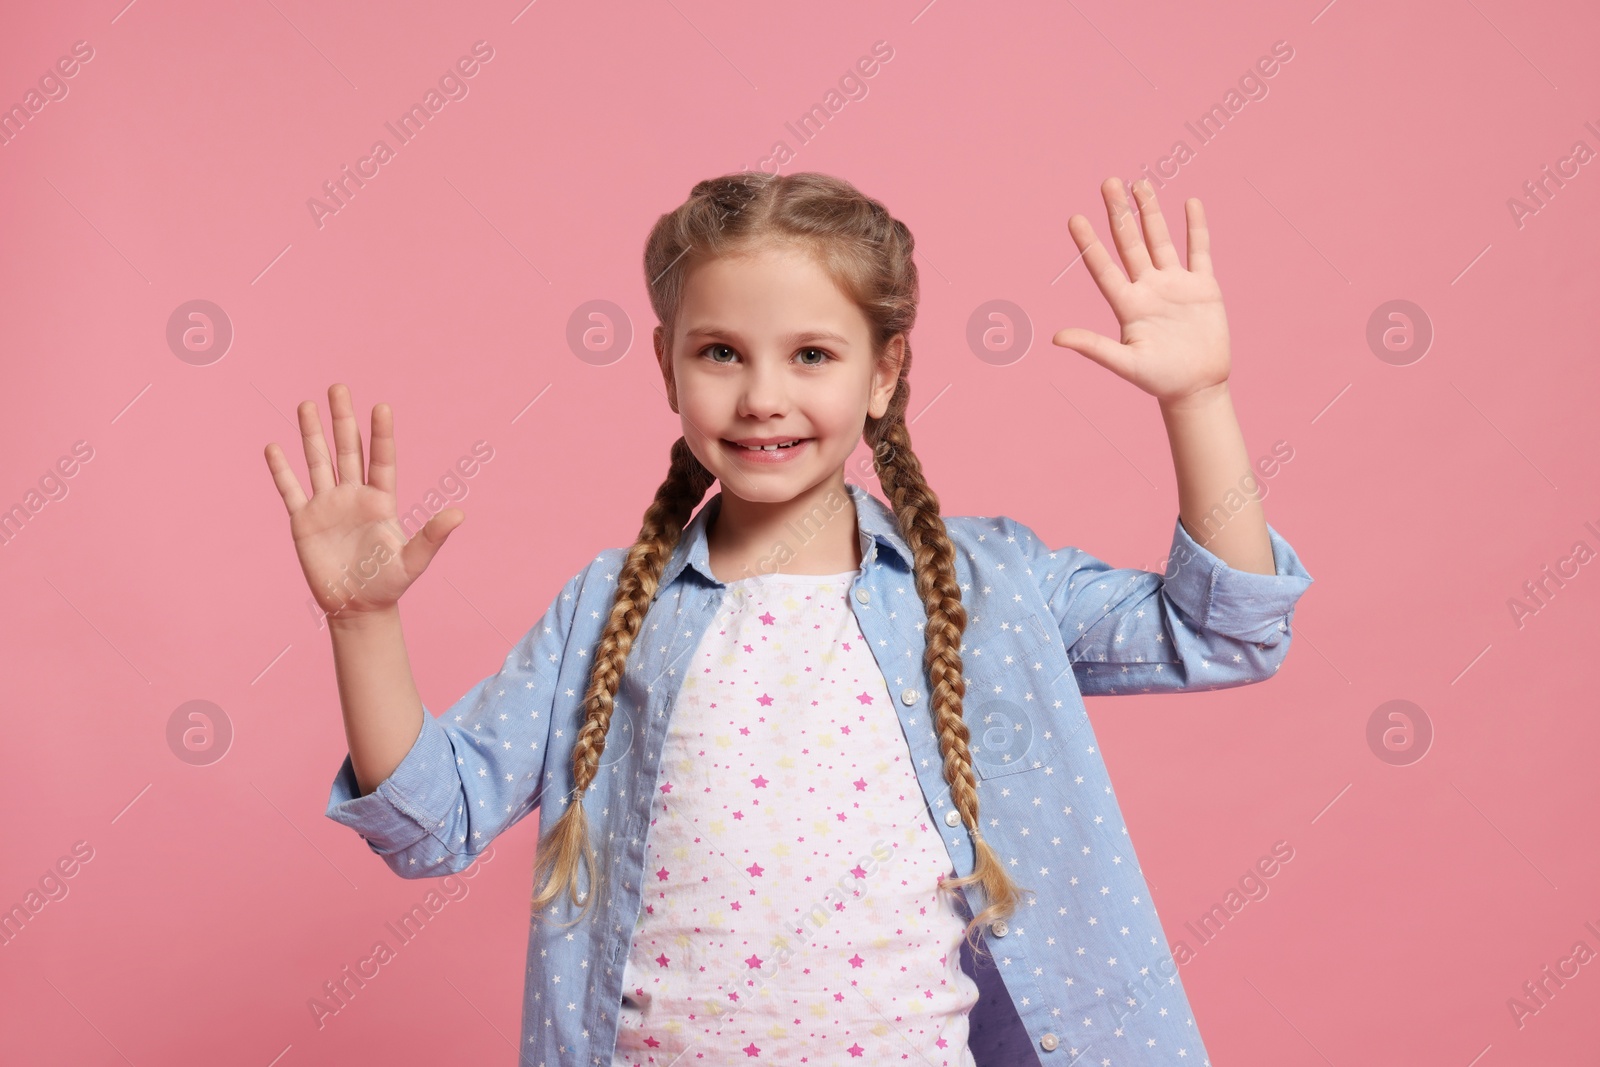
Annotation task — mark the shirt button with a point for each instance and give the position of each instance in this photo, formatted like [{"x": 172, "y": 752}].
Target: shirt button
[
  {"x": 952, "y": 817},
  {"x": 1000, "y": 928},
  {"x": 908, "y": 696},
  {"x": 863, "y": 596},
  {"x": 1049, "y": 1042}
]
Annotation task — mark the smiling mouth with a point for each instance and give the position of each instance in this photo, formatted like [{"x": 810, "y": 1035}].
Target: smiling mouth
[{"x": 767, "y": 448}]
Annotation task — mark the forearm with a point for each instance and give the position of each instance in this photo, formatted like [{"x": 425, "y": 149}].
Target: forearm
[
  {"x": 382, "y": 709},
  {"x": 1216, "y": 498}
]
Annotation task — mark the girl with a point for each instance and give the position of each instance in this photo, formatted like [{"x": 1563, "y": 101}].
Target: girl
[{"x": 814, "y": 775}]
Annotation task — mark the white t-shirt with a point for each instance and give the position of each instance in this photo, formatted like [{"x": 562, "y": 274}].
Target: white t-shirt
[{"x": 791, "y": 909}]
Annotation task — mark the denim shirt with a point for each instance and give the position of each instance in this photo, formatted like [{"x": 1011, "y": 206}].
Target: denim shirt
[{"x": 1082, "y": 968}]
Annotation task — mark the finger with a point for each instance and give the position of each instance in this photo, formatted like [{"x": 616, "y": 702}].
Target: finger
[
  {"x": 1199, "y": 237},
  {"x": 381, "y": 471},
  {"x": 1102, "y": 268},
  {"x": 288, "y": 485},
  {"x": 1124, "y": 228},
  {"x": 316, "y": 447},
  {"x": 1111, "y": 355},
  {"x": 420, "y": 550},
  {"x": 1156, "y": 237},
  {"x": 346, "y": 434}
]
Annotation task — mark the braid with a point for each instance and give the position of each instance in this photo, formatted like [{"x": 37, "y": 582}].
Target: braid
[
  {"x": 917, "y": 509},
  {"x": 567, "y": 843}
]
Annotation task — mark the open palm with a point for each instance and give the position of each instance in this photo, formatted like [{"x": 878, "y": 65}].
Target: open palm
[
  {"x": 353, "y": 552},
  {"x": 1174, "y": 332}
]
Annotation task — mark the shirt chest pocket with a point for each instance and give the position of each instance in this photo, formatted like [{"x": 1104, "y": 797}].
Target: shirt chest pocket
[{"x": 1010, "y": 708}]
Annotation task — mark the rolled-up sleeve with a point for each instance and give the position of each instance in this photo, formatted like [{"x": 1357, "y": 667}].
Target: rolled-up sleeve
[
  {"x": 396, "y": 814},
  {"x": 1201, "y": 625},
  {"x": 472, "y": 772}
]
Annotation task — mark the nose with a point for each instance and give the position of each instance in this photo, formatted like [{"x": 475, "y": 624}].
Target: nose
[{"x": 763, "y": 389}]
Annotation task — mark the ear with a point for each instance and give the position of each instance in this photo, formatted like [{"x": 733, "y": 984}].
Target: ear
[
  {"x": 886, "y": 375},
  {"x": 664, "y": 358}
]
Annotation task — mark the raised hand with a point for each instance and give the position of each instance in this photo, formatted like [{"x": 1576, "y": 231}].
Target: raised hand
[
  {"x": 352, "y": 550},
  {"x": 1174, "y": 333}
]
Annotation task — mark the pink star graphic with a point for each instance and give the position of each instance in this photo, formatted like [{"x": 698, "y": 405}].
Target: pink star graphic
[
  {"x": 764, "y": 700},
  {"x": 662, "y": 874},
  {"x": 855, "y": 1050},
  {"x": 754, "y": 961},
  {"x": 738, "y": 815},
  {"x": 767, "y": 618},
  {"x": 745, "y": 730},
  {"x": 667, "y": 788},
  {"x": 759, "y": 781},
  {"x": 663, "y": 960},
  {"x": 751, "y": 1049},
  {"x": 856, "y": 960},
  {"x": 865, "y": 698},
  {"x": 754, "y": 870},
  {"x": 652, "y": 1042},
  {"x": 860, "y": 783},
  {"x": 858, "y": 871}
]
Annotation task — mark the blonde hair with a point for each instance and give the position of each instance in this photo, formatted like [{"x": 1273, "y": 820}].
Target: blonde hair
[{"x": 868, "y": 253}]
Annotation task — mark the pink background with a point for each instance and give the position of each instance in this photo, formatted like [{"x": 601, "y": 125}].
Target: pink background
[{"x": 1421, "y": 497}]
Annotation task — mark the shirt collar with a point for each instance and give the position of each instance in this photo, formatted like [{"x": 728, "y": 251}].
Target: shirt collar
[{"x": 875, "y": 522}]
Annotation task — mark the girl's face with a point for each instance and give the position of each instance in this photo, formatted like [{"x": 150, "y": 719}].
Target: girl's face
[{"x": 767, "y": 350}]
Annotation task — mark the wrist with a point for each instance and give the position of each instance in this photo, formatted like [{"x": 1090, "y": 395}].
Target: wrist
[
  {"x": 1208, "y": 396},
  {"x": 346, "y": 623}
]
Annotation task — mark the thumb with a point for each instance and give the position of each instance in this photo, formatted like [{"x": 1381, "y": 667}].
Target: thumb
[
  {"x": 1103, "y": 350},
  {"x": 420, "y": 550}
]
